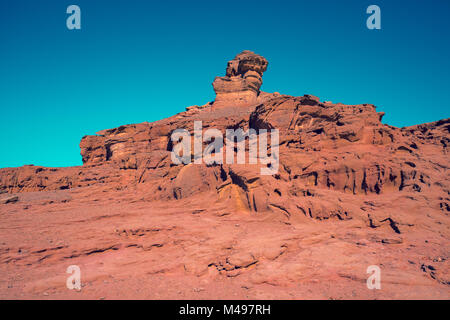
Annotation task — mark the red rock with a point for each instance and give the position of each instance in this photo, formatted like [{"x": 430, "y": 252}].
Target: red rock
[
  {"x": 350, "y": 192},
  {"x": 242, "y": 80},
  {"x": 8, "y": 199}
]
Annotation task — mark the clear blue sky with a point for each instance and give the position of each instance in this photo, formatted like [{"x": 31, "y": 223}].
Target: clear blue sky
[{"x": 136, "y": 61}]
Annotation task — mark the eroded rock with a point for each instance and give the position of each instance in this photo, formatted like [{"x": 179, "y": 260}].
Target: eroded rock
[{"x": 242, "y": 80}]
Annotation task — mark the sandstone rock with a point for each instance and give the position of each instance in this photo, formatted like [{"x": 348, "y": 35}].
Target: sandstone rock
[
  {"x": 347, "y": 187},
  {"x": 242, "y": 80},
  {"x": 8, "y": 199}
]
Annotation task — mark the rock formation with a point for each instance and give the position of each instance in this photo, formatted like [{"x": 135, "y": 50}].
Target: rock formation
[
  {"x": 242, "y": 80},
  {"x": 350, "y": 192}
]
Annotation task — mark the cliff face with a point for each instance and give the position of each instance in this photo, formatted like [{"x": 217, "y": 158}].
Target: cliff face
[
  {"x": 343, "y": 149},
  {"x": 336, "y": 162}
]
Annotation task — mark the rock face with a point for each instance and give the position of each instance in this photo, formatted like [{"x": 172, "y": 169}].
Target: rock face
[
  {"x": 350, "y": 192},
  {"x": 242, "y": 80}
]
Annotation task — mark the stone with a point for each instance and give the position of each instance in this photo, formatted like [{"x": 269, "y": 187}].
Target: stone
[
  {"x": 347, "y": 186},
  {"x": 243, "y": 79},
  {"x": 9, "y": 199}
]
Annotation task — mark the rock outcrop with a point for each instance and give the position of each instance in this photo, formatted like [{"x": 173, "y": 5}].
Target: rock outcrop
[
  {"x": 347, "y": 186},
  {"x": 242, "y": 80},
  {"x": 335, "y": 147}
]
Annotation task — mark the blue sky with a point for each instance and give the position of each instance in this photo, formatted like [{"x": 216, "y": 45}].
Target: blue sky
[{"x": 135, "y": 61}]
